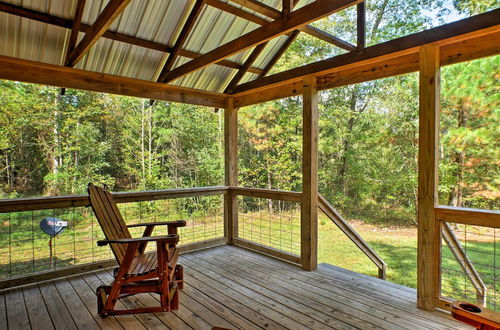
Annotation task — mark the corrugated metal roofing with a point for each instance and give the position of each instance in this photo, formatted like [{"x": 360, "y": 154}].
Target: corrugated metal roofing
[{"x": 157, "y": 20}]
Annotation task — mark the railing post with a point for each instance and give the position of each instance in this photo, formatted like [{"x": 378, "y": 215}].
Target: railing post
[
  {"x": 230, "y": 170},
  {"x": 309, "y": 208},
  {"x": 429, "y": 230}
]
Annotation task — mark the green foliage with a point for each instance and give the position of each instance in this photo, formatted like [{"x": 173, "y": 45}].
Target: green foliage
[
  {"x": 52, "y": 144},
  {"x": 472, "y": 7}
]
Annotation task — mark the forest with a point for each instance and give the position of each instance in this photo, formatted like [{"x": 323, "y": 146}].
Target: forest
[{"x": 53, "y": 144}]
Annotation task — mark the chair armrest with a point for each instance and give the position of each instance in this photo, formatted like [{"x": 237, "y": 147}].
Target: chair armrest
[
  {"x": 178, "y": 223},
  {"x": 171, "y": 239}
]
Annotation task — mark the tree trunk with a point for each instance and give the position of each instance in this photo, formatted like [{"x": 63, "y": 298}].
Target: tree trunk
[
  {"x": 456, "y": 195},
  {"x": 269, "y": 186},
  {"x": 378, "y": 19},
  {"x": 7, "y": 168},
  {"x": 143, "y": 137},
  {"x": 347, "y": 142},
  {"x": 150, "y": 141}
]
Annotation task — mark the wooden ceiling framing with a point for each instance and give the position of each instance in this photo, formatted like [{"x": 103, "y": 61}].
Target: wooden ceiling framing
[
  {"x": 280, "y": 26},
  {"x": 467, "y": 39}
]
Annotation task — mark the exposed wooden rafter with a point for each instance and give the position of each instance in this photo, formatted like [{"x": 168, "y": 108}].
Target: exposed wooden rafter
[
  {"x": 112, "y": 35},
  {"x": 287, "y": 8},
  {"x": 291, "y": 38},
  {"x": 74, "y": 33},
  {"x": 112, "y": 10},
  {"x": 325, "y": 36},
  {"x": 181, "y": 39},
  {"x": 75, "y": 29},
  {"x": 228, "y": 8},
  {"x": 241, "y": 72},
  {"x": 460, "y": 41},
  {"x": 273, "y": 13},
  {"x": 12, "y": 68},
  {"x": 258, "y": 7},
  {"x": 283, "y": 25},
  {"x": 361, "y": 26}
]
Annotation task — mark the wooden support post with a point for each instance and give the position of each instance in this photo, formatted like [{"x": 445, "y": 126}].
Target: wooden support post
[
  {"x": 231, "y": 170},
  {"x": 309, "y": 209},
  {"x": 361, "y": 26},
  {"x": 429, "y": 231}
]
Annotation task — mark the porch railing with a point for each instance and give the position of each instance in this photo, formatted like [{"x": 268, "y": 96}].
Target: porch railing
[
  {"x": 470, "y": 259},
  {"x": 267, "y": 221},
  {"x": 25, "y": 255}
]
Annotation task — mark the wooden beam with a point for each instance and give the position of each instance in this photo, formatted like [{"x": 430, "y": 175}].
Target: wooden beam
[
  {"x": 267, "y": 251},
  {"x": 75, "y": 29},
  {"x": 112, "y": 35},
  {"x": 475, "y": 217},
  {"x": 236, "y": 11},
  {"x": 325, "y": 36},
  {"x": 351, "y": 74},
  {"x": 276, "y": 14},
  {"x": 475, "y": 37},
  {"x": 297, "y": 18},
  {"x": 61, "y": 202},
  {"x": 429, "y": 229},
  {"x": 361, "y": 26},
  {"x": 231, "y": 170},
  {"x": 244, "y": 68},
  {"x": 287, "y": 6},
  {"x": 309, "y": 208},
  {"x": 291, "y": 38},
  {"x": 53, "y": 75},
  {"x": 259, "y": 7},
  {"x": 281, "y": 195},
  {"x": 447, "y": 33},
  {"x": 112, "y": 10},
  {"x": 256, "y": 52},
  {"x": 186, "y": 29}
]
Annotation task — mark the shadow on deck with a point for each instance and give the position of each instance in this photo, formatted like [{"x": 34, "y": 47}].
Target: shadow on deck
[{"x": 232, "y": 288}]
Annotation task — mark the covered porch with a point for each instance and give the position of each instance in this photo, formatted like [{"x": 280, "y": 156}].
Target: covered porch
[{"x": 244, "y": 270}]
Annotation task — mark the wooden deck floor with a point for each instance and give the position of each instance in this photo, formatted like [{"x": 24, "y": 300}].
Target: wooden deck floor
[{"x": 232, "y": 288}]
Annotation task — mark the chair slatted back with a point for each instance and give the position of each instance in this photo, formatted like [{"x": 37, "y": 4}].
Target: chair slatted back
[{"x": 110, "y": 219}]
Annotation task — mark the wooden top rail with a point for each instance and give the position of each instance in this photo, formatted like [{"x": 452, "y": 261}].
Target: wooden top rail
[
  {"x": 475, "y": 217},
  {"x": 59, "y": 202},
  {"x": 352, "y": 234},
  {"x": 289, "y": 196}
]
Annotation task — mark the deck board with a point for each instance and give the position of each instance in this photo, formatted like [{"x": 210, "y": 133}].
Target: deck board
[
  {"x": 336, "y": 294},
  {"x": 17, "y": 316},
  {"x": 37, "y": 311},
  {"x": 232, "y": 288}
]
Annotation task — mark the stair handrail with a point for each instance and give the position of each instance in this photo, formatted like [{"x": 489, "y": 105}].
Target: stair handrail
[
  {"x": 353, "y": 235},
  {"x": 465, "y": 263}
]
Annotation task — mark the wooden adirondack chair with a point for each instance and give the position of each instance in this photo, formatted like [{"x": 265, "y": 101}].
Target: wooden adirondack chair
[{"x": 138, "y": 272}]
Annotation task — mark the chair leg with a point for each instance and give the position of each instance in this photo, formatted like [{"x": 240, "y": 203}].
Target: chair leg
[
  {"x": 179, "y": 276},
  {"x": 101, "y": 298},
  {"x": 174, "y": 302}
]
